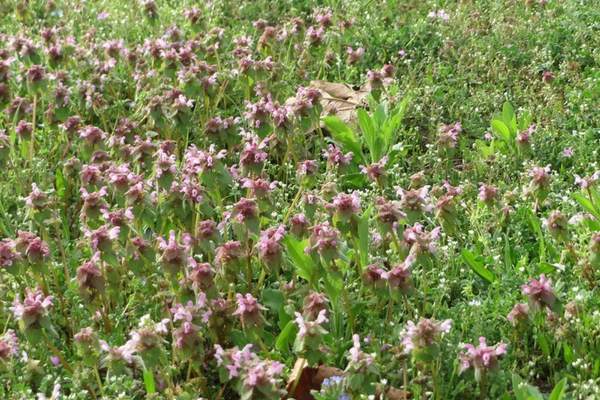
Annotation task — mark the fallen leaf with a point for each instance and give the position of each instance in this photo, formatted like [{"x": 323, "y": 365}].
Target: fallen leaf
[{"x": 303, "y": 379}]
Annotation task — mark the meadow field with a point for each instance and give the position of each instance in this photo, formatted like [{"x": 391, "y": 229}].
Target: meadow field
[{"x": 299, "y": 199}]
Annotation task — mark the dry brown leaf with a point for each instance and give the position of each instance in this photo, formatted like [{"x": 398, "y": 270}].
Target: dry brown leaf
[
  {"x": 340, "y": 99},
  {"x": 303, "y": 379}
]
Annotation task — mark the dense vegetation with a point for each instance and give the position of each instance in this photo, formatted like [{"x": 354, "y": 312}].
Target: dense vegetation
[{"x": 342, "y": 199}]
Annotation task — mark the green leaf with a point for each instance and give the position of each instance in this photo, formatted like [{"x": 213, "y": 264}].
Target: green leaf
[
  {"x": 303, "y": 263},
  {"x": 534, "y": 221},
  {"x": 59, "y": 183},
  {"x": 544, "y": 345},
  {"x": 273, "y": 299},
  {"x": 477, "y": 266},
  {"x": 501, "y": 130},
  {"x": 149, "y": 382},
  {"x": 363, "y": 238},
  {"x": 286, "y": 336},
  {"x": 344, "y": 136},
  {"x": 587, "y": 204},
  {"x": 509, "y": 117},
  {"x": 368, "y": 130},
  {"x": 558, "y": 393},
  {"x": 392, "y": 125}
]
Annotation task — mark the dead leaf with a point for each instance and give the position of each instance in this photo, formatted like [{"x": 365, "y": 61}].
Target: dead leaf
[
  {"x": 303, "y": 379},
  {"x": 340, "y": 99}
]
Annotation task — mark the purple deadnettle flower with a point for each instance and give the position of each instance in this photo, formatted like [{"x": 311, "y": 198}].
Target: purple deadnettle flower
[
  {"x": 335, "y": 157},
  {"x": 518, "y": 314},
  {"x": 399, "y": 277},
  {"x": 37, "y": 200},
  {"x": 307, "y": 327},
  {"x": 269, "y": 246},
  {"x": 567, "y": 152},
  {"x": 93, "y": 203},
  {"x": 200, "y": 275},
  {"x": 448, "y": 135},
  {"x": 389, "y": 213},
  {"x": 24, "y": 130},
  {"x": 588, "y": 181},
  {"x": 8, "y": 253},
  {"x": 31, "y": 247},
  {"x": 540, "y": 292},
  {"x": 90, "y": 278},
  {"x": 488, "y": 194},
  {"x": 249, "y": 310},
  {"x": 375, "y": 276},
  {"x": 346, "y": 205},
  {"x": 358, "y": 360},
  {"x": 415, "y": 202},
  {"x": 376, "y": 171},
  {"x": 424, "y": 335},
  {"x": 102, "y": 239},
  {"x": 33, "y": 309},
  {"x": 9, "y": 345},
  {"x": 92, "y": 135},
  {"x": 314, "y": 303},
  {"x": 482, "y": 358},
  {"x": 173, "y": 256},
  {"x": 558, "y": 226},
  {"x": 324, "y": 239},
  {"x": 420, "y": 241}
]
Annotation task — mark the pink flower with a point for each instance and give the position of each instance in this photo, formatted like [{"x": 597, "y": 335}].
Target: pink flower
[
  {"x": 335, "y": 157},
  {"x": 311, "y": 328},
  {"x": 588, "y": 181},
  {"x": 481, "y": 358},
  {"x": 89, "y": 276},
  {"x": 8, "y": 254},
  {"x": 37, "y": 199},
  {"x": 314, "y": 303},
  {"x": 34, "y": 307},
  {"x": 347, "y": 205},
  {"x": 488, "y": 194},
  {"x": 448, "y": 135},
  {"x": 102, "y": 238},
  {"x": 324, "y": 239},
  {"x": 424, "y": 334},
  {"x": 248, "y": 309},
  {"x": 540, "y": 292},
  {"x": 358, "y": 360},
  {"x": 269, "y": 245},
  {"x": 173, "y": 255},
  {"x": 518, "y": 314},
  {"x": 415, "y": 201},
  {"x": 9, "y": 345}
]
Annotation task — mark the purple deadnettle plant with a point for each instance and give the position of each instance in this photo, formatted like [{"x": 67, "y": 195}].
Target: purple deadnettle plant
[{"x": 482, "y": 358}]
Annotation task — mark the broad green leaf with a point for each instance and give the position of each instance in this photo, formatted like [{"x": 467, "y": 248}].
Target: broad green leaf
[
  {"x": 149, "y": 382},
  {"x": 501, "y": 130},
  {"x": 509, "y": 117},
  {"x": 286, "y": 336},
  {"x": 59, "y": 183},
  {"x": 344, "y": 136},
  {"x": 558, "y": 393},
  {"x": 477, "y": 266},
  {"x": 303, "y": 264},
  {"x": 587, "y": 204},
  {"x": 367, "y": 128},
  {"x": 544, "y": 345},
  {"x": 392, "y": 125}
]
